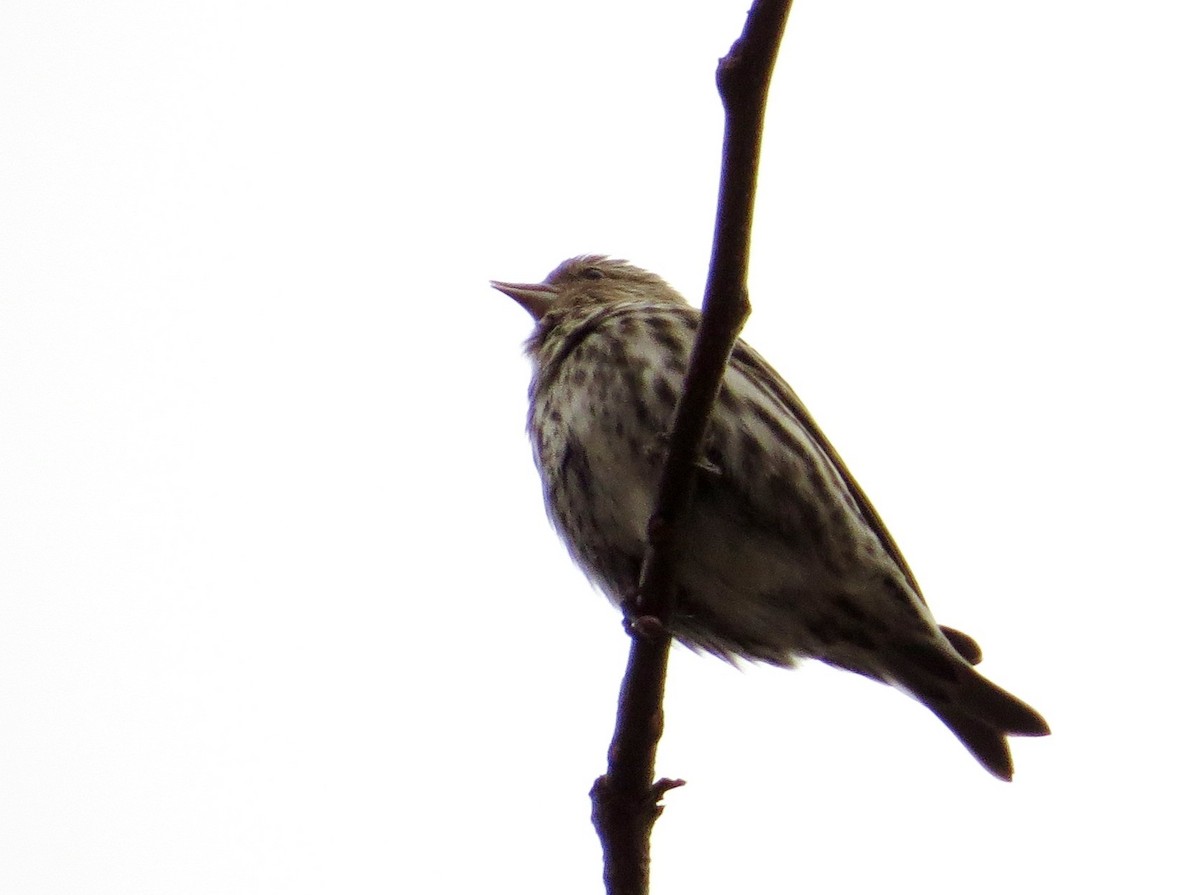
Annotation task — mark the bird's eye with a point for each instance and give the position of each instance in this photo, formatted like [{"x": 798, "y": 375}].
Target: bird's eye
[{"x": 592, "y": 273}]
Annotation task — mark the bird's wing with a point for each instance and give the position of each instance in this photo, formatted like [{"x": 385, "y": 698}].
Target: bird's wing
[{"x": 750, "y": 364}]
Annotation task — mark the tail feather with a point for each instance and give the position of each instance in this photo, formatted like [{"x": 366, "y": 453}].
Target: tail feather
[
  {"x": 982, "y": 699},
  {"x": 964, "y": 645},
  {"x": 983, "y": 716},
  {"x": 979, "y": 713},
  {"x": 989, "y": 746}
]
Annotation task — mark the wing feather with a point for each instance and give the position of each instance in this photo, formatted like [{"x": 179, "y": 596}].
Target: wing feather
[{"x": 751, "y": 364}]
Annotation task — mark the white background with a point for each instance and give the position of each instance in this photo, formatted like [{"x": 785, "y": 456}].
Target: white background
[{"x": 279, "y": 607}]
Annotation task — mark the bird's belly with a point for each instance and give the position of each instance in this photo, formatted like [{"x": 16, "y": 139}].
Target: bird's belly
[{"x": 600, "y": 486}]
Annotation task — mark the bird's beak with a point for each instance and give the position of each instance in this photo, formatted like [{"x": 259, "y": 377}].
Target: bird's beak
[{"x": 536, "y": 298}]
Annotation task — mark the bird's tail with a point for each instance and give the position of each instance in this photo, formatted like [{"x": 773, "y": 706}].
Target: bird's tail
[{"x": 978, "y": 712}]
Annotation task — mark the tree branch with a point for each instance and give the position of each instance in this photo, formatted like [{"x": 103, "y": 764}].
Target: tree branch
[{"x": 625, "y": 801}]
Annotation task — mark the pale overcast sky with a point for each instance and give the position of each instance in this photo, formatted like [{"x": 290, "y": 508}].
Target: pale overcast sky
[{"x": 279, "y": 607}]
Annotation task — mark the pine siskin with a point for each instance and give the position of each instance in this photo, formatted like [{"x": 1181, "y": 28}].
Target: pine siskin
[{"x": 782, "y": 556}]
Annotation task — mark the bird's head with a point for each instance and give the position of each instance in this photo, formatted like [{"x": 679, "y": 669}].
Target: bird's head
[{"x": 579, "y": 284}]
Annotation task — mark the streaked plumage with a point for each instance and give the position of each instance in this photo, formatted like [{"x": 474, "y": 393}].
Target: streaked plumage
[{"x": 783, "y": 556}]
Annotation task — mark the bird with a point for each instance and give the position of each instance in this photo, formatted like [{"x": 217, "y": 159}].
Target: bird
[{"x": 781, "y": 556}]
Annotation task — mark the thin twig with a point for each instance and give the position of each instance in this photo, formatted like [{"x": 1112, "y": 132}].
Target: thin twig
[{"x": 625, "y": 801}]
